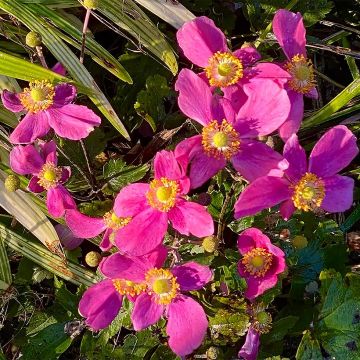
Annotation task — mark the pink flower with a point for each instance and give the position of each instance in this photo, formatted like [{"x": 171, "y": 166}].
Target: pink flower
[
  {"x": 47, "y": 176},
  {"x": 290, "y": 32},
  {"x": 250, "y": 349},
  {"x": 227, "y": 134},
  {"x": 152, "y": 205},
  {"x": 86, "y": 227},
  {"x": 306, "y": 186},
  {"x": 261, "y": 262},
  {"x": 48, "y": 107},
  {"x": 67, "y": 238}
]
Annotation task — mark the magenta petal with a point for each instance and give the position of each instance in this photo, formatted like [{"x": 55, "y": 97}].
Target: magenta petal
[
  {"x": 64, "y": 94},
  {"x": 248, "y": 55},
  {"x": 263, "y": 193},
  {"x": 270, "y": 71},
  {"x": 191, "y": 218},
  {"x": 296, "y": 157},
  {"x": 72, "y": 121},
  {"x": 58, "y": 200},
  {"x": 30, "y": 128},
  {"x": 106, "y": 244},
  {"x": 65, "y": 174},
  {"x": 84, "y": 226},
  {"x": 262, "y": 114},
  {"x": 250, "y": 349},
  {"x": 333, "y": 152},
  {"x": 146, "y": 312},
  {"x": 25, "y": 160},
  {"x": 313, "y": 93},
  {"x": 287, "y": 208},
  {"x": 257, "y": 286},
  {"x": 131, "y": 200},
  {"x": 338, "y": 193},
  {"x": 190, "y": 87},
  {"x": 48, "y": 151},
  {"x": 221, "y": 109},
  {"x": 100, "y": 304},
  {"x": 11, "y": 101},
  {"x": 59, "y": 69},
  {"x": 144, "y": 233},
  {"x": 34, "y": 185},
  {"x": 166, "y": 165},
  {"x": 192, "y": 276},
  {"x": 290, "y": 32},
  {"x": 199, "y": 39},
  {"x": 155, "y": 258},
  {"x": 236, "y": 95},
  {"x": 186, "y": 326},
  {"x": 246, "y": 240},
  {"x": 255, "y": 159},
  {"x": 67, "y": 238}
]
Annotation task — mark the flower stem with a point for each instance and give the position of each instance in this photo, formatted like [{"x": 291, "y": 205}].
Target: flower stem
[
  {"x": 41, "y": 57},
  {"x": 83, "y": 39}
]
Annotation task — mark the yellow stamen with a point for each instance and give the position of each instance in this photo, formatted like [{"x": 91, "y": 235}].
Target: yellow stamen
[
  {"x": 302, "y": 72},
  {"x": 49, "y": 175},
  {"x": 220, "y": 141},
  {"x": 309, "y": 193},
  {"x": 257, "y": 261},
  {"x": 126, "y": 287},
  {"x": 162, "y": 194},
  {"x": 38, "y": 96},
  {"x": 224, "y": 69},
  {"x": 261, "y": 320},
  {"x": 114, "y": 222},
  {"x": 162, "y": 284}
]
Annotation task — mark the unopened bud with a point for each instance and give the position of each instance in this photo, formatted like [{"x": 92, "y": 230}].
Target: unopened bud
[
  {"x": 299, "y": 242},
  {"x": 210, "y": 243},
  {"x": 91, "y": 4},
  {"x": 93, "y": 258},
  {"x": 12, "y": 183},
  {"x": 33, "y": 39},
  {"x": 212, "y": 353}
]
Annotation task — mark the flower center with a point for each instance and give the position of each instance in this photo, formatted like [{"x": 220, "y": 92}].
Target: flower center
[
  {"x": 162, "y": 283},
  {"x": 49, "y": 175},
  {"x": 309, "y": 192},
  {"x": 302, "y": 72},
  {"x": 257, "y": 261},
  {"x": 126, "y": 287},
  {"x": 261, "y": 319},
  {"x": 38, "y": 96},
  {"x": 162, "y": 194},
  {"x": 114, "y": 222},
  {"x": 224, "y": 69},
  {"x": 220, "y": 141}
]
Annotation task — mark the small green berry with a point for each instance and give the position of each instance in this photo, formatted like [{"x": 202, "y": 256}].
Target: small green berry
[
  {"x": 12, "y": 183},
  {"x": 33, "y": 39},
  {"x": 299, "y": 242},
  {"x": 93, "y": 258},
  {"x": 91, "y": 4},
  {"x": 210, "y": 244}
]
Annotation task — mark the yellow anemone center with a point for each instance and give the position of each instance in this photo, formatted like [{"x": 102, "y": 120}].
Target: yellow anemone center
[
  {"x": 161, "y": 286},
  {"x": 261, "y": 319},
  {"x": 38, "y": 96},
  {"x": 220, "y": 139},
  {"x": 115, "y": 222},
  {"x": 224, "y": 69},
  {"x": 257, "y": 261},
  {"x": 49, "y": 175},
  {"x": 126, "y": 287},
  {"x": 309, "y": 193},
  {"x": 162, "y": 194}
]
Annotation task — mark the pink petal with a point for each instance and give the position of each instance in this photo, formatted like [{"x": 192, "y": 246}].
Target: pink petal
[
  {"x": 313, "y": 93},
  {"x": 84, "y": 226},
  {"x": 131, "y": 200},
  {"x": 106, "y": 244},
  {"x": 48, "y": 151},
  {"x": 270, "y": 71},
  {"x": 248, "y": 55},
  {"x": 293, "y": 121},
  {"x": 333, "y": 152},
  {"x": 11, "y": 101},
  {"x": 65, "y": 174},
  {"x": 221, "y": 108},
  {"x": 25, "y": 160},
  {"x": 58, "y": 200},
  {"x": 73, "y": 122},
  {"x": 199, "y": 39},
  {"x": 236, "y": 95},
  {"x": 146, "y": 312},
  {"x": 262, "y": 114},
  {"x": 287, "y": 208},
  {"x": 30, "y": 128},
  {"x": 144, "y": 233},
  {"x": 250, "y": 349},
  {"x": 255, "y": 159},
  {"x": 263, "y": 193},
  {"x": 100, "y": 304},
  {"x": 155, "y": 258},
  {"x": 186, "y": 326},
  {"x": 59, "y": 69},
  {"x": 338, "y": 193},
  {"x": 191, "y": 218},
  {"x": 290, "y": 32},
  {"x": 166, "y": 165},
  {"x": 191, "y": 87},
  {"x": 192, "y": 276},
  {"x": 34, "y": 185},
  {"x": 64, "y": 94},
  {"x": 67, "y": 238},
  {"x": 295, "y": 154},
  {"x": 246, "y": 240},
  {"x": 257, "y": 286}
]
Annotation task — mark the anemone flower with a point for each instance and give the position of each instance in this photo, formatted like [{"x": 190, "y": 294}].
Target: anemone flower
[
  {"x": 49, "y": 106},
  {"x": 306, "y": 187},
  {"x": 261, "y": 262},
  {"x": 47, "y": 176},
  {"x": 152, "y": 206},
  {"x": 290, "y": 32},
  {"x": 227, "y": 135}
]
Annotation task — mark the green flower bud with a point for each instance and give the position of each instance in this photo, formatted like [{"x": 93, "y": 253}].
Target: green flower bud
[
  {"x": 12, "y": 183},
  {"x": 299, "y": 242},
  {"x": 33, "y": 39},
  {"x": 210, "y": 243},
  {"x": 91, "y": 4},
  {"x": 93, "y": 258}
]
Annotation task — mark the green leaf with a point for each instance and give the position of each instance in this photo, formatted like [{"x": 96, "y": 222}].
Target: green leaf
[
  {"x": 279, "y": 330},
  {"x": 309, "y": 349},
  {"x": 5, "y": 271},
  {"x": 139, "y": 344},
  {"x": 351, "y": 219}
]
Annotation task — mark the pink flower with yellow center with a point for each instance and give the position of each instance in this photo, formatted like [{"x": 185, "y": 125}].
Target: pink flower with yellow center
[
  {"x": 156, "y": 292},
  {"x": 290, "y": 32},
  {"x": 152, "y": 206},
  {"x": 49, "y": 106},
  {"x": 86, "y": 227},
  {"x": 261, "y": 262},
  {"x": 227, "y": 134},
  {"x": 47, "y": 176},
  {"x": 306, "y": 186}
]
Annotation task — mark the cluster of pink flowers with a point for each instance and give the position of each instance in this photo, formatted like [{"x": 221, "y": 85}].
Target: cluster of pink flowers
[{"x": 236, "y": 99}]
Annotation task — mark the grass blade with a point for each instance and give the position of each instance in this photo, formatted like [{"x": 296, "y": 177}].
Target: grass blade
[{"x": 5, "y": 271}]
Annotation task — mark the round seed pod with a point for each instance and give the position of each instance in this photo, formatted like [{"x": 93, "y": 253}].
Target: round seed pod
[
  {"x": 299, "y": 242},
  {"x": 33, "y": 39},
  {"x": 12, "y": 183},
  {"x": 93, "y": 258},
  {"x": 210, "y": 243}
]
